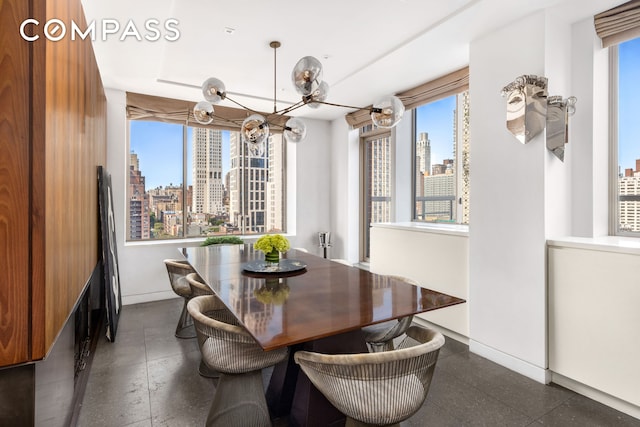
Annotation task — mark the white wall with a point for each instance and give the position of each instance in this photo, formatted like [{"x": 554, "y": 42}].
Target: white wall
[
  {"x": 507, "y": 311},
  {"x": 344, "y": 178},
  {"x": 143, "y": 276},
  {"x": 589, "y": 150}
]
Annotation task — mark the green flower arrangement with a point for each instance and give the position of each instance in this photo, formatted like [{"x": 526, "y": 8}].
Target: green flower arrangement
[{"x": 272, "y": 242}]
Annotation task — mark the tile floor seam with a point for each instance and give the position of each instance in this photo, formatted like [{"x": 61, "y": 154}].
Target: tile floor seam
[{"x": 146, "y": 366}]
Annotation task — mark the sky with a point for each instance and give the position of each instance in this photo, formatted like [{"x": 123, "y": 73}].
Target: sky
[
  {"x": 629, "y": 104},
  {"x": 161, "y": 160},
  {"x": 436, "y": 118},
  {"x": 159, "y": 166}
]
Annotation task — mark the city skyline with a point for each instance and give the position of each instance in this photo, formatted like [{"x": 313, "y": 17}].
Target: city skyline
[{"x": 167, "y": 142}]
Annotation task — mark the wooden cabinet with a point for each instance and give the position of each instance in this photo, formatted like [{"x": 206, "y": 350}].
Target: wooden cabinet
[{"x": 52, "y": 138}]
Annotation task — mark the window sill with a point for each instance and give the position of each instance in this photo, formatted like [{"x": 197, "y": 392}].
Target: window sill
[
  {"x": 427, "y": 227},
  {"x": 193, "y": 241},
  {"x": 628, "y": 245}
]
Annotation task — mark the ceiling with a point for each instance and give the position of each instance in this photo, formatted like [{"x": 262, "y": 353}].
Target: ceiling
[{"x": 368, "y": 48}]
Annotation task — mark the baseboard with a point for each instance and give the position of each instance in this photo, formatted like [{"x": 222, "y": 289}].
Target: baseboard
[
  {"x": 517, "y": 365},
  {"x": 149, "y": 297},
  {"x": 597, "y": 395},
  {"x": 444, "y": 331}
]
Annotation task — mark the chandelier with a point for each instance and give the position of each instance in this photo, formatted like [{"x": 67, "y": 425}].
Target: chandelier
[{"x": 307, "y": 80}]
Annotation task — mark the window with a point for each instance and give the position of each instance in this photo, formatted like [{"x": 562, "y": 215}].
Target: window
[
  {"x": 626, "y": 62},
  {"x": 441, "y": 166},
  {"x": 377, "y": 176},
  {"x": 195, "y": 182}
]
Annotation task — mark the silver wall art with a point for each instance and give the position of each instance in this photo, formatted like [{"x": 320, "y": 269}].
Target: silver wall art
[
  {"x": 526, "y": 106},
  {"x": 530, "y": 110},
  {"x": 558, "y": 112}
]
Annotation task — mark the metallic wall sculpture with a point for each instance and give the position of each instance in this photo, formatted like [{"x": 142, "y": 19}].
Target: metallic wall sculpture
[
  {"x": 558, "y": 112},
  {"x": 526, "y": 106},
  {"x": 529, "y": 111}
]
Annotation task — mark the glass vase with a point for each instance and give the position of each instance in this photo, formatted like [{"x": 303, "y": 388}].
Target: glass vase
[{"x": 272, "y": 257}]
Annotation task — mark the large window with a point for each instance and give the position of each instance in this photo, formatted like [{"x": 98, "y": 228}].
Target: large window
[
  {"x": 377, "y": 182},
  {"x": 626, "y": 61},
  {"x": 196, "y": 182},
  {"x": 441, "y": 167}
]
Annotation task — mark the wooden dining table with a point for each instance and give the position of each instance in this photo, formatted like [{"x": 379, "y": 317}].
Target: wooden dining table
[{"x": 316, "y": 305}]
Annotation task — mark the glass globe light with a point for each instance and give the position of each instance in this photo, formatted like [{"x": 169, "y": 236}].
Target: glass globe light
[
  {"x": 320, "y": 94},
  {"x": 307, "y": 75},
  {"x": 295, "y": 130},
  {"x": 255, "y": 129},
  {"x": 256, "y": 150},
  {"x": 213, "y": 90},
  {"x": 387, "y": 112},
  {"x": 203, "y": 112}
]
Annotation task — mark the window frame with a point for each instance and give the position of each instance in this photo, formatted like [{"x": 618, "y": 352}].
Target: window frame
[
  {"x": 459, "y": 160},
  {"x": 367, "y": 133},
  {"x": 614, "y": 161},
  {"x": 184, "y": 185}
]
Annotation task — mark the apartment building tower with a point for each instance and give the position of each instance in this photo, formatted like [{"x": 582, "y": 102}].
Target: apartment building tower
[{"x": 207, "y": 194}]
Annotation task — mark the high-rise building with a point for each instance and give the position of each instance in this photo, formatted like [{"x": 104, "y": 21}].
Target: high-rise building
[
  {"x": 207, "y": 171},
  {"x": 440, "y": 186},
  {"x": 248, "y": 183},
  {"x": 423, "y": 153},
  {"x": 380, "y": 179},
  {"x": 463, "y": 136},
  {"x": 139, "y": 224},
  {"x": 629, "y": 205},
  {"x": 423, "y": 168},
  {"x": 274, "y": 200}
]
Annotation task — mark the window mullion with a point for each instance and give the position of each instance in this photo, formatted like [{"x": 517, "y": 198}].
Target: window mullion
[{"x": 614, "y": 196}]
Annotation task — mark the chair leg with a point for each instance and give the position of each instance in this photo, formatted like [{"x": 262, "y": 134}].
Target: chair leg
[
  {"x": 239, "y": 401},
  {"x": 377, "y": 347},
  {"x": 206, "y": 371},
  {"x": 185, "y": 328}
]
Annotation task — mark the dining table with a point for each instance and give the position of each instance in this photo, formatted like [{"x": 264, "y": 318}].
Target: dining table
[{"x": 306, "y": 302}]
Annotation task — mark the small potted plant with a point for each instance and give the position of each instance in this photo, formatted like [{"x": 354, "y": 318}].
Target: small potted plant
[
  {"x": 222, "y": 240},
  {"x": 272, "y": 245}
]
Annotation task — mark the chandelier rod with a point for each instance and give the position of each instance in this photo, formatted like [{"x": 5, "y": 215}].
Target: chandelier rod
[{"x": 275, "y": 45}]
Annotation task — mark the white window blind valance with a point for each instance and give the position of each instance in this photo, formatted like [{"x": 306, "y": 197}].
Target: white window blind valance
[
  {"x": 444, "y": 86},
  {"x": 167, "y": 110},
  {"x": 618, "y": 24}
]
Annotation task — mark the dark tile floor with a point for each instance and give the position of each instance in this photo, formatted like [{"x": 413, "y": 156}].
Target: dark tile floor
[{"x": 150, "y": 378}]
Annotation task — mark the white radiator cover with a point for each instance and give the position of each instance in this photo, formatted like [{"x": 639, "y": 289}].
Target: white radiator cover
[
  {"x": 436, "y": 260},
  {"x": 594, "y": 316}
]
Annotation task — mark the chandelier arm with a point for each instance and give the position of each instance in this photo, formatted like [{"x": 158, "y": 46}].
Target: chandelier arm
[
  {"x": 371, "y": 109},
  {"x": 235, "y": 122},
  {"x": 240, "y": 105},
  {"x": 290, "y": 108}
]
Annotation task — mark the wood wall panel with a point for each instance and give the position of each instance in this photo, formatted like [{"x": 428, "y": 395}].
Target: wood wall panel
[
  {"x": 75, "y": 144},
  {"x": 52, "y": 138},
  {"x": 14, "y": 184}
]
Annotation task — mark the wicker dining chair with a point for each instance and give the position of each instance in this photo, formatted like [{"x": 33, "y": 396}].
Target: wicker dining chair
[
  {"x": 227, "y": 347},
  {"x": 178, "y": 270},
  {"x": 380, "y": 389},
  {"x": 380, "y": 336},
  {"x": 198, "y": 288}
]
